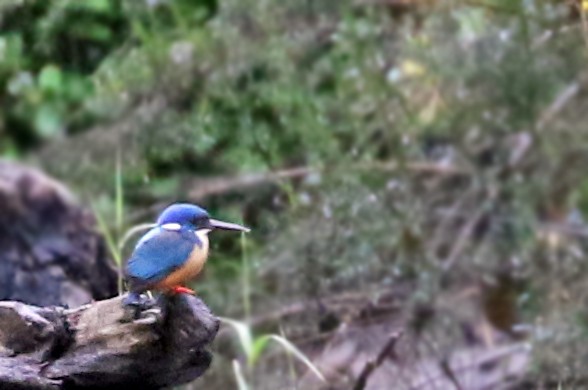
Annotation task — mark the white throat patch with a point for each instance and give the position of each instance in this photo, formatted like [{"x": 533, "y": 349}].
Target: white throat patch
[
  {"x": 201, "y": 233},
  {"x": 171, "y": 226}
]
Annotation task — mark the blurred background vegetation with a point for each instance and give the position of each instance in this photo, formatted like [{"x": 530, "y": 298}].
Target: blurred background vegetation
[{"x": 425, "y": 153}]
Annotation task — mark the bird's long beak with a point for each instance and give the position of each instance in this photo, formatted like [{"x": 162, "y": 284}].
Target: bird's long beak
[{"x": 228, "y": 226}]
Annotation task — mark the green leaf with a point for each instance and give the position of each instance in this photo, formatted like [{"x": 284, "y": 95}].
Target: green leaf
[
  {"x": 99, "y": 6},
  {"x": 76, "y": 88},
  {"x": 48, "y": 121},
  {"x": 258, "y": 347},
  {"x": 50, "y": 79}
]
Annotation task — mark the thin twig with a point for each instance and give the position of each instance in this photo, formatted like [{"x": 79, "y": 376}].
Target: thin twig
[
  {"x": 448, "y": 372},
  {"x": 209, "y": 187},
  {"x": 371, "y": 365},
  {"x": 562, "y": 99},
  {"x": 464, "y": 236},
  {"x": 444, "y": 226},
  {"x": 205, "y": 188}
]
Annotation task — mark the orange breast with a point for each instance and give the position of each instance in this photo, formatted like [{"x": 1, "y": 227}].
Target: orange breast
[{"x": 189, "y": 270}]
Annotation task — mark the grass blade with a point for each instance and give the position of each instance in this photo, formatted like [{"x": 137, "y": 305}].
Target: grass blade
[
  {"x": 114, "y": 251},
  {"x": 246, "y": 278},
  {"x": 258, "y": 347},
  {"x": 244, "y": 334},
  {"x": 241, "y": 383},
  {"x": 119, "y": 201},
  {"x": 131, "y": 232},
  {"x": 291, "y": 348}
]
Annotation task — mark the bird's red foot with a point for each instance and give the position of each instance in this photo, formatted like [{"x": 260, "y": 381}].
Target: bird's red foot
[{"x": 183, "y": 290}]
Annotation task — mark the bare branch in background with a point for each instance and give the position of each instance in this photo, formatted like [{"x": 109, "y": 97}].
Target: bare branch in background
[
  {"x": 368, "y": 369},
  {"x": 200, "y": 189}
]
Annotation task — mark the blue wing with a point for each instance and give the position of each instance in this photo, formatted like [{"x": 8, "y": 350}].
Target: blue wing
[{"x": 158, "y": 253}]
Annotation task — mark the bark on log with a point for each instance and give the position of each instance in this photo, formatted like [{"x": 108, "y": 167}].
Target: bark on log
[{"x": 91, "y": 347}]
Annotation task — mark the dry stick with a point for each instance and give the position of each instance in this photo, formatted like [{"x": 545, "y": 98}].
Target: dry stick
[
  {"x": 464, "y": 235},
  {"x": 444, "y": 226},
  {"x": 225, "y": 184},
  {"x": 558, "y": 104},
  {"x": 205, "y": 188},
  {"x": 448, "y": 372},
  {"x": 209, "y": 187},
  {"x": 370, "y": 366}
]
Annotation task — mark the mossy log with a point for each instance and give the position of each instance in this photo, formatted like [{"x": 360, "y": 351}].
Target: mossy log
[{"x": 94, "y": 347}]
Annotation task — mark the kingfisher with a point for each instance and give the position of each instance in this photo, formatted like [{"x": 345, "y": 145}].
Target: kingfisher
[{"x": 173, "y": 252}]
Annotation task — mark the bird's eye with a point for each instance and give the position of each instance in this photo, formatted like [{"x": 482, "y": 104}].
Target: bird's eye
[{"x": 200, "y": 221}]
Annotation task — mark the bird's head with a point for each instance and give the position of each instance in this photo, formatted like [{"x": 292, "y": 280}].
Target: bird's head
[{"x": 185, "y": 215}]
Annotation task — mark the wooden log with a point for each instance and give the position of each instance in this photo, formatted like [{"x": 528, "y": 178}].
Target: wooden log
[{"x": 94, "y": 346}]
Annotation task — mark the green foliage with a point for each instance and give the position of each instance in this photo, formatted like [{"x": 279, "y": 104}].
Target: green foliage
[
  {"x": 254, "y": 347},
  {"x": 409, "y": 122},
  {"x": 48, "y": 51}
]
